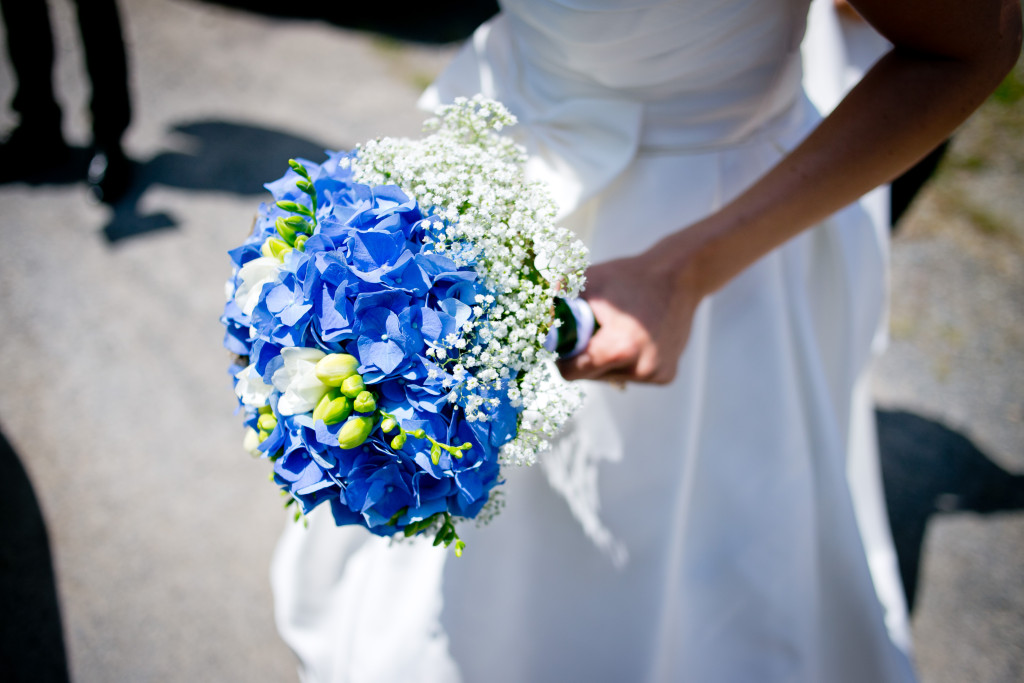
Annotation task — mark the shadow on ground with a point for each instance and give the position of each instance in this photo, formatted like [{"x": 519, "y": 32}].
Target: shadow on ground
[
  {"x": 221, "y": 156},
  {"x": 224, "y": 157},
  {"x": 31, "y": 637},
  {"x": 422, "y": 22},
  {"x": 930, "y": 469}
]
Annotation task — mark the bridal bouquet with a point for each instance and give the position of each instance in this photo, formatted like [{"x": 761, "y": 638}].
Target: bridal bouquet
[{"x": 390, "y": 311}]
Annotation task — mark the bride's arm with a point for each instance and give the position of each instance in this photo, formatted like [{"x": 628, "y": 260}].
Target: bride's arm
[{"x": 948, "y": 56}]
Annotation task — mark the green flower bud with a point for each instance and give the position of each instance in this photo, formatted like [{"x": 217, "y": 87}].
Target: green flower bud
[
  {"x": 300, "y": 242},
  {"x": 435, "y": 453},
  {"x": 352, "y": 386},
  {"x": 332, "y": 408},
  {"x": 275, "y": 248},
  {"x": 294, "y": 207},
  {"x": 365, "y": 402},
  {"x": 398, "y": 441},
  {"x": 322, "y": 408},
  {"x": 341, "y": 406},
  {"x": 299, "y": 168},
  {"x": 305, "y": 186},
  {"x": 286, "y": 231},
  {"x": 267, "y": 422},
  {"x": 354, "y": 432},
  {"x": 388, "y": 424},
  {"x": 299, "y": 224},
  {"x": 263, "y": 435},
  {"x": 335, "y": 368}
]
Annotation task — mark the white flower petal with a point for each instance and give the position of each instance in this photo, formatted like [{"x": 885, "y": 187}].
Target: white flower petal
[
  {"x": 296, "y": 355},
  {"x": 297, "y": 381},
  {"x": 251, "y": 388},
  {"x": 251, "y": 441},
  {"x": 252, "y": 276}
]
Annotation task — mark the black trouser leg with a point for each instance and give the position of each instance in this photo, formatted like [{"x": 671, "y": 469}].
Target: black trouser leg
[
  {"x": 30, "y": 46},
  {"x": 106, "y": 62}
]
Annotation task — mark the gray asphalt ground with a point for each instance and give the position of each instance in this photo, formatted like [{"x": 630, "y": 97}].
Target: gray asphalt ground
[{"x": 115, "y": 401}]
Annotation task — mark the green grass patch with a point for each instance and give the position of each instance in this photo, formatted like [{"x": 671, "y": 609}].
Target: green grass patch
[
  {"x": 985, "y": 222},
  {"x": 1011, "y": 90},
  {"x": 421, "y": 79},
  {"x": 965, "y": 162}
]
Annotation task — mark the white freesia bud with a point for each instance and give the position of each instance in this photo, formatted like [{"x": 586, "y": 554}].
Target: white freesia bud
[
  {"x": 335, "y": 368},
  {"x": 251, "y": 278},
  {"x": 251, "y": 442},
  {"x": 251, "y": 388},
  {"x": 297, "y": 381}
]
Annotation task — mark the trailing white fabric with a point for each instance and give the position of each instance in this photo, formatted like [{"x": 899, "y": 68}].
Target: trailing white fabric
[{"x": 357, "y": 608}]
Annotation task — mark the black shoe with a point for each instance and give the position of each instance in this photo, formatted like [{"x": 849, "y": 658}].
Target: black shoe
[
  {"x": 30, "y": 153},
  {"x": 110, "y": 174}
]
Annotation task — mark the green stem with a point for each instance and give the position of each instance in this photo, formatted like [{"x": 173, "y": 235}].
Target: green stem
[
  {"x": 435, "y": 446},
  {"x": 300, "y": 212}
]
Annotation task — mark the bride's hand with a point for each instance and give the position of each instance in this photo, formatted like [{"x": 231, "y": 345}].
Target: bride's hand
[{"x": 644, "y": 308}]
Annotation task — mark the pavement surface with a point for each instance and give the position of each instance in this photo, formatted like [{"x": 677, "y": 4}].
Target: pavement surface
[{"x": 120, "y": 461}]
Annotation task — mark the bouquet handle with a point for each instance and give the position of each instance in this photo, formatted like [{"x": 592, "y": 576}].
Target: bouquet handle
[{"x": 577, "y": 327}]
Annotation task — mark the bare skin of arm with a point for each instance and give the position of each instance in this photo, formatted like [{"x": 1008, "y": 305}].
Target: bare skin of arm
[{"x": 948, "y": 56}]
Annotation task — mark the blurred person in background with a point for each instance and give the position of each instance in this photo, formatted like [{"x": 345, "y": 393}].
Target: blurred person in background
[{"x": 36, "y": 147}]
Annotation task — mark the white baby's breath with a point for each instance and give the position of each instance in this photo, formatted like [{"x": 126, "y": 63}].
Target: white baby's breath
[{"x": 492, "y": 218}]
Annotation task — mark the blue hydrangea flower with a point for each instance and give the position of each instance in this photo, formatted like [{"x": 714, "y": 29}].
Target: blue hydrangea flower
[{"x": 361, "y": 284}]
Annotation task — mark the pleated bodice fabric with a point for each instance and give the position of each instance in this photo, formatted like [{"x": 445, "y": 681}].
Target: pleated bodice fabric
[
  {"x": 702, "y": 531},
  {"x": 678, "y": 59}
]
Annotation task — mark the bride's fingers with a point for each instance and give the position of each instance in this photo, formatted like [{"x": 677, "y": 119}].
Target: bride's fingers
[
  {"x": 606, "y": 353},
  {"x": 581, "y": 366}
]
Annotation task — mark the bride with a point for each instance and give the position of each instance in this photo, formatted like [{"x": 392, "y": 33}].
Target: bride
[{"x": 697, "y": 525}]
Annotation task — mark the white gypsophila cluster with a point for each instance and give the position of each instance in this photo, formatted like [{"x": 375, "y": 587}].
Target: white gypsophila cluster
[
  {"x": 547, "y": 406},
  {"x": 492, "y": 508},
  {"x": 490, "y": 217}
]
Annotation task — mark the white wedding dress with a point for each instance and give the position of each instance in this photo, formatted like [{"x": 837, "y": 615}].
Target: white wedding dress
[{"x": 703, "y": 531}]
